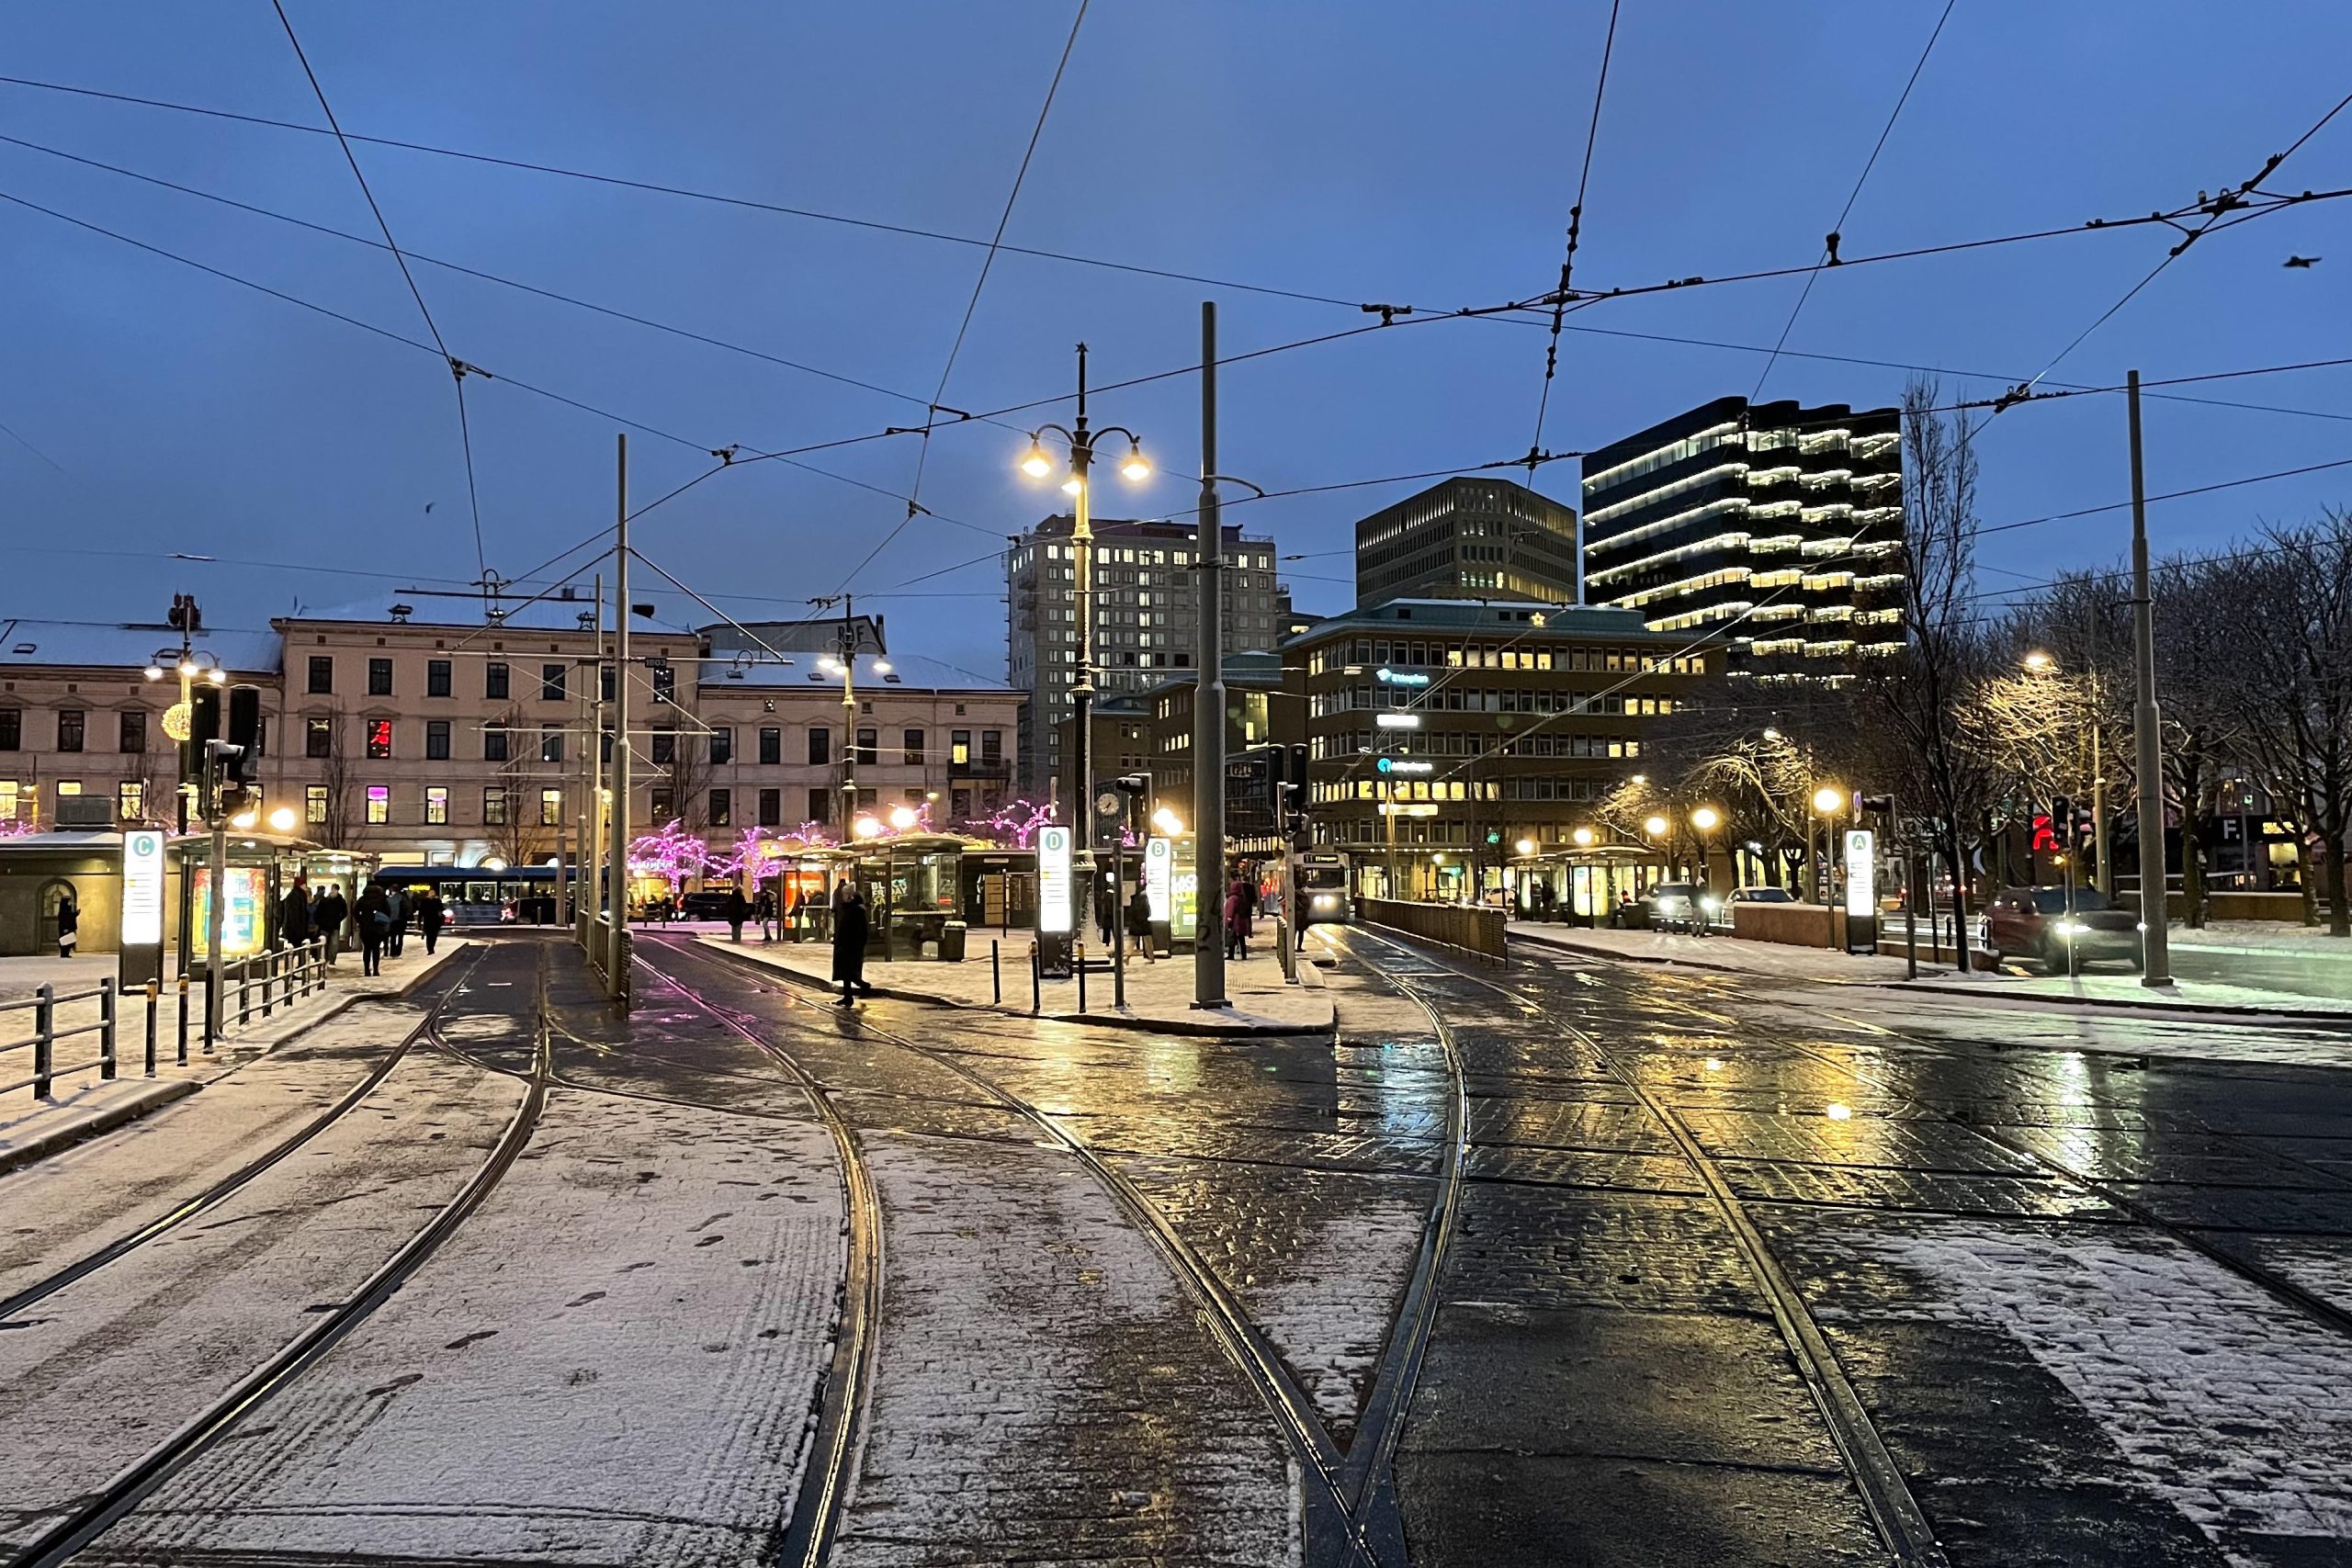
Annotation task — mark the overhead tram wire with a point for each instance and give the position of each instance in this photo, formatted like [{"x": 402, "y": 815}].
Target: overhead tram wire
[
  {"x": 688, "y": 193},
  {"x": 458, "y": 369},
  {"x": 1576, "y": 233},
  {"x": 1838, "y": 229},
  {"x": 932, "y": 409}
]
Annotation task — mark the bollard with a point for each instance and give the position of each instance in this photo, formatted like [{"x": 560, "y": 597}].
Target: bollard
[
  {"x": 154, "y": 992},
  {"x": 44, "y": 1031},
  {"x": 244, "y": 994},
  {"x": 269, "y": 967},
  {"x": 105, "y": 1026},
  {"x": 995, "y": 974},
  {"x": 1080, "y": 949},
  {"x": 1037, "y": 982},
  {"x": 211, "y": 1018},
  {"x": 182, "y": 1058}
]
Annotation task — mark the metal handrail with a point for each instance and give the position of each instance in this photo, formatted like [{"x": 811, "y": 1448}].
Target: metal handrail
[{"x": 46, "y": 1034}]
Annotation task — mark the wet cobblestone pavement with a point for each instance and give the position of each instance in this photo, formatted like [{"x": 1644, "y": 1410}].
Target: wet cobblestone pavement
[{"x": 1716, "y": 1275}]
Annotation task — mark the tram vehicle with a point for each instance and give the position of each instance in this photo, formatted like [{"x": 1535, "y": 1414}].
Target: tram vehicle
[
  {"x": 1323, "y": 895},
  {"x": 478, "y": 895}
]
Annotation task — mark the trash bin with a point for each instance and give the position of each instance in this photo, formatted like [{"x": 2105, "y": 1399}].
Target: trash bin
[{"x": 951, "y": 942}]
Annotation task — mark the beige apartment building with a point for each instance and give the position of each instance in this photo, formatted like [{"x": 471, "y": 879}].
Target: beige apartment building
[{"x": 420, "y": 730}]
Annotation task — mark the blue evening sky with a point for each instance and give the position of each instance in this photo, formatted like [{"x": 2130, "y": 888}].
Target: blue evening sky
[{"x": 1367, "y": 150}]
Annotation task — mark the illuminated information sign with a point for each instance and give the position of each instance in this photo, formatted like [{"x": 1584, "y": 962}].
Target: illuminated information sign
[
  {"x": 1404, "y": 765},
  {"x": 1403, "y": 678},
  {"x": 1862, "y": 874},
  {"x": 142, "y": 888},
  {"x": 1158, "y": 864},
  {"x": 1053, "y": 912}
]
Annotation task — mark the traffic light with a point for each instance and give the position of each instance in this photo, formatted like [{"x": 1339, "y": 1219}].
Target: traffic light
[
  {"x": 203, "y": 729},
  {"x": 245, "y": 734},
  {"x": 1876, "y": 805}
]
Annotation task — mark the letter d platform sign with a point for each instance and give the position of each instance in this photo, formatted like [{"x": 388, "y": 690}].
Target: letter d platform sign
[
  {"x": 142, "y": 943},
  {"x": 1056, "y": 917}
]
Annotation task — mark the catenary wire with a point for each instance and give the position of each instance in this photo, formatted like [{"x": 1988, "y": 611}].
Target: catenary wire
[
  {"x": 1838, "y": 228},
  {"x": 1575, "y": 230}
]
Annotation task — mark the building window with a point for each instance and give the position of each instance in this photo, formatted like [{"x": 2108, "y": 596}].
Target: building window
[
  {"x": 317, "y": 737},
  {"x": 436, "y": 677},
  {"x": 992, "y": 745},
  {"x": 550, "y": 743},
  {"x": 770, "y": 808},
  {"x": 493, "y": 743},
  {"x": 322, "y": 674},
  {"x": 314, "y": 804},
  {"x": 551, "y": 807},
  {"x": 67, "y": 788},
  {"x": 379, "y": 677},
  {"x": 494, "y": 806},
  {"x": 9, "y": 791},
  {"x": 12, "y": 729},
  {"x": 771, "y": 744},
  {"x": 380, "y": 738},
  {"x": 959, "y": 746},
  {"x": 437, "y": 806},
  {"x": 493, "y": 680},
  {"x": 665, "y": 748},
  {"x": 379, "y": 803},
  {"x": 69, "y": 729},
  {"x": 869, "y": 748},
  {"x": 722, "y": 745},
  {"x": 915, "y": 747},
  {"x": 723, "y": 808},
  {"x": 664, "y": 803},
  {"x": 134, "y": 730},
  {"x": 820, "y": 806},
  {"x": 552, "y": 682},
  {"x": 821, "y": 746},
  {"x": 130, "y": 801}
]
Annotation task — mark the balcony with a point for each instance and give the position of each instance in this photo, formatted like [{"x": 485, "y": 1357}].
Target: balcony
[{"x": 982, "y": 768}]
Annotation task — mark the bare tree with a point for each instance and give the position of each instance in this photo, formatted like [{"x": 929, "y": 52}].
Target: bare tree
[
  {"x": 344, "y": 825},
  {"x": 1917, "y": 695}
]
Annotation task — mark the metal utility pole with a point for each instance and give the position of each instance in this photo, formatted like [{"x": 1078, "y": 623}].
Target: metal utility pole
[
  {"x": 616, "y": 851},
  {"x": 1208, "y": 700},
  {"x": 2148, "y": 788},
  {"x": 218, "y": 903},
  {"x": 590, "y": 727},
  {"x": 2105, "y": 879},
  {"x": 1081, "y": 691},
  {"x": 848, "y": 640}
]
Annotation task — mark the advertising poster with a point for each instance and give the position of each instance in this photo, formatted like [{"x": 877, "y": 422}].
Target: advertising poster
[{"x": 241, "y": 927}]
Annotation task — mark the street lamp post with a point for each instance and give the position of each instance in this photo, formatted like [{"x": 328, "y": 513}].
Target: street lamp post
[
  {"x": 1037, "y": 465},
  {"x": 845, "y": 664},
  {"x": 1827, "y": 802}
]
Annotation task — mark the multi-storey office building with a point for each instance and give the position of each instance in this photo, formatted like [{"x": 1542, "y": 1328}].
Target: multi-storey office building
[
  {"x": 1145, "y": 620},
  {"x": 1779, "y": 527},
  {"x": 1469, "y": 727},
  {"x": 1469, "y": 538}
]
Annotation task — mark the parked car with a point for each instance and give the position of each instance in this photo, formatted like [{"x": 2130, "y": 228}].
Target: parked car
[
  {"x": 1757, "y": 895},
  {"x": 704, "y": 904},
  {"x": 1675, "y": 906},
  {"x": 2035, "y": 924}
]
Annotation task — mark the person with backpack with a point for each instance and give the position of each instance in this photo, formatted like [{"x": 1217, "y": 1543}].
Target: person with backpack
[{"x": 375, "y": 923}]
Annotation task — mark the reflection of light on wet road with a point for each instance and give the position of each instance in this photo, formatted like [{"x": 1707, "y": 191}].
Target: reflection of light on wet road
[{"x": 1838, "y": 1113}]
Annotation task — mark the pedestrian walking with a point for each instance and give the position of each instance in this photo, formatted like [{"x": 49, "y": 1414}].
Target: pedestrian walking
[
  {"x": 396, "y": 904},
  {"x": 69, "y": 922},
  {"x": 1106, "y": 914},
  {"x": 374, "y": 919},
  {"x": 739, "y": 909},
  {"x": 429, "y": 914},
  {"x": 1250, "y": 896},
  {"x": 1139, "y": 925},
  {"x": 329, "y": 917},
  {"x": 1237, "y": 919},
  {"x": 850, "y": 922},
  {"x": 294, "y": 913},
  {"x": 764, "y": 909}
]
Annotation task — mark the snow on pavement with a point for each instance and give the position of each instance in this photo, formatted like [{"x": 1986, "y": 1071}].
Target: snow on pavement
[
  {"x": 1045, "y": 1390},
  {"x": 615, "y": 1360},
  {"x": 101, "y": 1372},
  {"x": 2232, "y": 1408}
]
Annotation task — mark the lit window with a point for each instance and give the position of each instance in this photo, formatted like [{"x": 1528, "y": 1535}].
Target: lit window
[
  {"x": 436, "y": 804},
  {"x": 552, "y": 808},
  {"x": 379, "y": 738},
  {"x": 131, "y": 800},
  {"x": 314, "y": 804},
  {"x": 379, "y": 803}
]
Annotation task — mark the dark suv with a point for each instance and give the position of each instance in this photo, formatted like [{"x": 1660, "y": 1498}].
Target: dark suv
[{"x": 2036, "y": 924}]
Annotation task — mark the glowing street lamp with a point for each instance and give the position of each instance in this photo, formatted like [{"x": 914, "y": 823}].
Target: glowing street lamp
[
  {"x": 902, "y": 818},
  {"x": 1656, "y": 827},
  {"x": 2040, "y": 662},
  {"x": 1583, "y": 837},
  {"x": 1527, "y": 846},
  {"x": 867, "y": 827},
  {"x": 1168, "y": 822},
  {"x": 282, "y": 819},
  {"x": 1828, "y": 801},
  {"x": 1706, "y": 819}
]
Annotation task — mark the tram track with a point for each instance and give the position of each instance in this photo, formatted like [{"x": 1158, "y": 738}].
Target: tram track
[
  {"x": 91, "y": 1515},
  {"x": 1336, "y": 1536},
  {"x": 237, "y": 1181},
  {"x": 1885, "y": 1492}
]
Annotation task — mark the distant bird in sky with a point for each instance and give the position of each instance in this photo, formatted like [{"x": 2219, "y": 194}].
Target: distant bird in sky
[
  {"x": 2304, "y": 261},
  {"x": 428, "y": 505}
]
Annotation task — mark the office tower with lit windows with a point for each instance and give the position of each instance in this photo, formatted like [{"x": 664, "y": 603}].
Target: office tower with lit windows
[
  {"x": 1469, "y": 538},
  {"x": 1776, "y": 527},
  {"x": 1146, "y": 619}
]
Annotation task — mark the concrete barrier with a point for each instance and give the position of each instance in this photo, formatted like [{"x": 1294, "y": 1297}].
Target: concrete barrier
[
  {"x": 1793, "y": 925},
  {"x": 1451, "y": 925}
]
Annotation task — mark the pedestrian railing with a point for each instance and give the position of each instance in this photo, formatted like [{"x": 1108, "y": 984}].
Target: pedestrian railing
[
  {"x": 46, "y": 1036},
  {"x": 1465, "y": 926},
  {"x": 275, "y": 977}
]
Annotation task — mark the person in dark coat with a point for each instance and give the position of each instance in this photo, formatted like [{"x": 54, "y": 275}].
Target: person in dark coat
[
  {"x": 850, "y": 921},
  {"x": 294, "y": 914},
  {"x": 1139, "y": 924},
  {"x": 69, "y": 922},
  {"x": 327, "y": 918},
  {"x": 739, "y": 909},
  {"x": 396, "y": 902},
  {"x": 1237, "y": 917},
  {"x": 375, "y": 923},
  {"x": 764, "y": 911},
  {"x": 429, "y": 916},
  {"x": 1106, "y": 914}
]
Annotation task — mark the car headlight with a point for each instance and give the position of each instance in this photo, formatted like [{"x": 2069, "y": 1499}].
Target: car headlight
[
  {"x": 1709, "y": 904},
  {"x": 1325, "y": 901},
  {"x": 2070, "y": 928}
]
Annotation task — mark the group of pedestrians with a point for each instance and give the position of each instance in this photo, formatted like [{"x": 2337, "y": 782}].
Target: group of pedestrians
[{"x": 378, "y": 924}]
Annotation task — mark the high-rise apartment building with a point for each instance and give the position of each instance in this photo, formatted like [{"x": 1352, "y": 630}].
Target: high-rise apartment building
[
  {"x": 1146, "y": 619},
  {"x": 1778, "y": 527},
  {"x": 1469, "y": 539}
]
